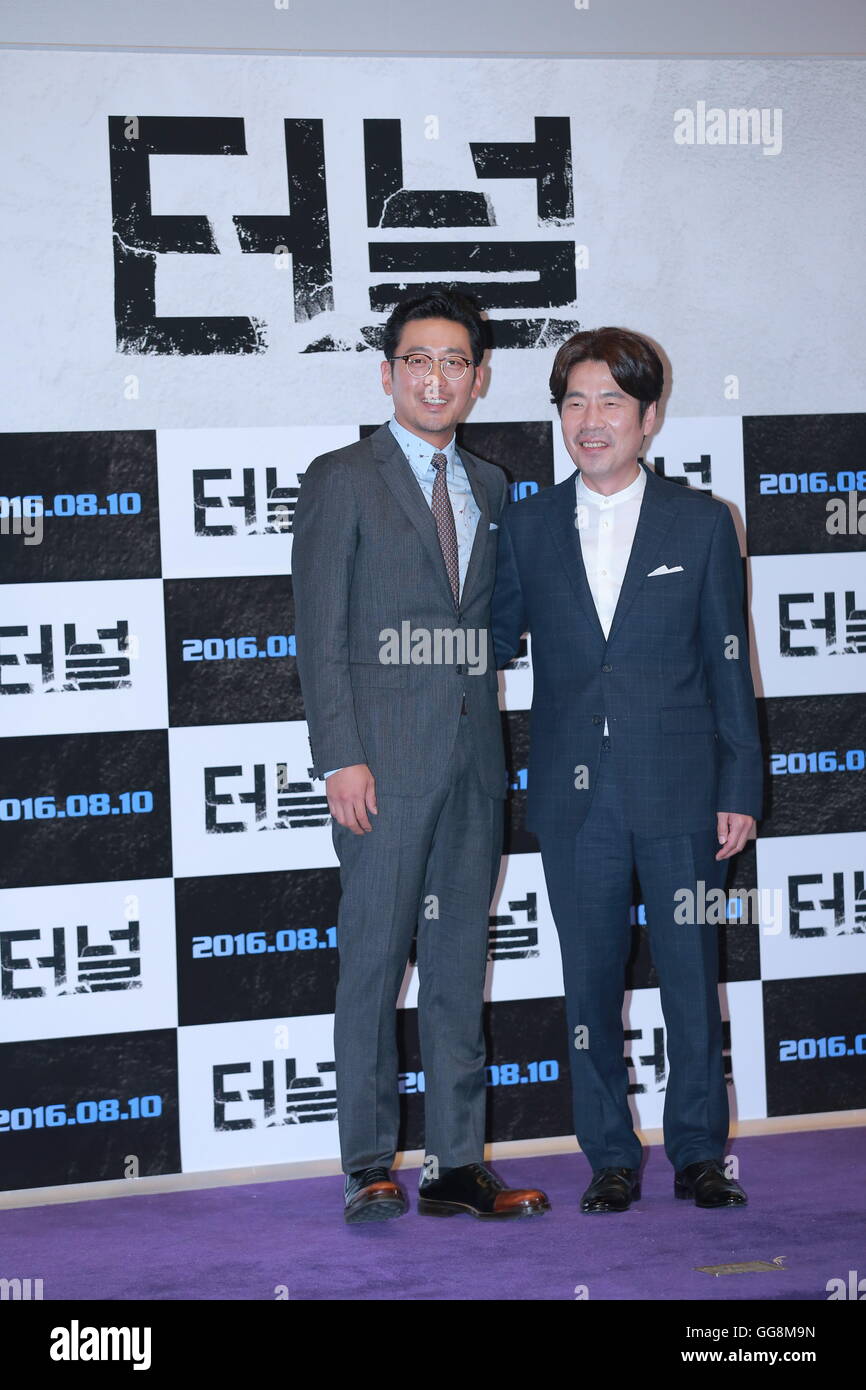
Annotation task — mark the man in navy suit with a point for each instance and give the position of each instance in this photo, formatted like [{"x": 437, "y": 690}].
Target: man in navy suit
[{"x": 644, "y": 751}]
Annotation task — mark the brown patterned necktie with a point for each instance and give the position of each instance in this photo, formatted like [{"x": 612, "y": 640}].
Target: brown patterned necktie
[{"x": 444, "y": 517}]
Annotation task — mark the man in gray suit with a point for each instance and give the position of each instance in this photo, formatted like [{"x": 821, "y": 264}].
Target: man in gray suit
[{"x": 393, "y": 566}]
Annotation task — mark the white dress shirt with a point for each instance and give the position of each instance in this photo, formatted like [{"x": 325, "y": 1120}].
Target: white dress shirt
[{"x": 606, "y": 526}]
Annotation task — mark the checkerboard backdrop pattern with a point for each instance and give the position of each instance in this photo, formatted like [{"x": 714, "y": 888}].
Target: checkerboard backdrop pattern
[
  {"x": 195, "y": 309},
  {"x": 168, "y": 886}
]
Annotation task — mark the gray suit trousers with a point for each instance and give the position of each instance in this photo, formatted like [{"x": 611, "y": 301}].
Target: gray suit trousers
[{"x": 433, "y": 854}]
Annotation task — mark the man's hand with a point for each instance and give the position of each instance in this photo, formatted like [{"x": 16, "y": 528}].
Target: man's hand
[
  {"x": 733, "y": 831},
  {"x": 351, "y": 794}
]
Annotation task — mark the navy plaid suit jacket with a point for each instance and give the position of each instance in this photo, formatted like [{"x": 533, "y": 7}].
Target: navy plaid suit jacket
[{"x": 672, "y": 679}]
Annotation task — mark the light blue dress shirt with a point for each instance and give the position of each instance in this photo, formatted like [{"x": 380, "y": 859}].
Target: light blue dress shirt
[{"x": 466, "y": 510}]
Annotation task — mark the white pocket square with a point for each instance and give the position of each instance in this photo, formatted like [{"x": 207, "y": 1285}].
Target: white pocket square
[
  {"x": 663, "y": 569},
  {"x": 493, "y": 526}
]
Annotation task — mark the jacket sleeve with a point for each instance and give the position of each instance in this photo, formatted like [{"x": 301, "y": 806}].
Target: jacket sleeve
[
  {"x": 323, "y": 557},
  {"x": 726, "y": 660},
  {"x": 508, "y": 613}
]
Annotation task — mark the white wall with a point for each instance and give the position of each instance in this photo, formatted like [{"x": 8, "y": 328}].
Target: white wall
[{"x": 583, "y": 27}]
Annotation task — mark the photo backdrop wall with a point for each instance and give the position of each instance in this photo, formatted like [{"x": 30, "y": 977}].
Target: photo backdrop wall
[{"x": 202, "y": 252}]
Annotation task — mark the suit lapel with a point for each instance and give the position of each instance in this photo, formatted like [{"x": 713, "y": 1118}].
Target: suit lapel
[
  {"x": 399, "y": 477},
  {"x": 482, "y": 531},
  {"x": 561, "y": 520},
  {"x": 656, "y": 515},
  {"x": 404, "y": 485}
]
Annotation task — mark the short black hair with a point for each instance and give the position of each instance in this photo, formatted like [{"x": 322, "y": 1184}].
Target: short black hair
[
  {"x": 632, "y": 361},
  {"x": 444, "y": 303}
]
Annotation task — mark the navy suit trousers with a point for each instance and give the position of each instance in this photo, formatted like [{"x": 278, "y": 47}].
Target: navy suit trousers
[{"x": 589, "y": 880}]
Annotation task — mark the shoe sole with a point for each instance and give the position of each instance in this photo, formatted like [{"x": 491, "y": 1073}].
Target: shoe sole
[
  {"x": 427, "y": 1207},
  {"x": 376, "y": 1209}
]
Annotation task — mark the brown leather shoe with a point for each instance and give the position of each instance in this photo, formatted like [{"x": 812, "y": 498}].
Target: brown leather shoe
[
  {"x": 476, "y": 1190},
  {"x": 372, "y": 1196}
]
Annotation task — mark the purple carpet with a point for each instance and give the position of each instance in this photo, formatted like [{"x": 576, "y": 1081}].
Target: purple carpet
[{"x": 807, "y": 1206}]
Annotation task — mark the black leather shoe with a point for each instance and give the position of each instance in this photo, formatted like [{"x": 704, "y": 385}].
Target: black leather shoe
[
  {"x": 475, "y": 1189},
  {"x": 372, "y": 1196},
  {"x": 707, "y": 1184},
  {"x": 611, "y": 1189}
]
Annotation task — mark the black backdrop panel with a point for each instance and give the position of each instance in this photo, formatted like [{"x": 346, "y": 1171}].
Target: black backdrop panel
[
  {"x": 528, "y": 1082},
  {"x": 799, "y": 469},
  {"x": 97, "y": 495},
  {"x": 815, "y": 771},
  {"x": 79, "y": 1109},
  {"x": 100, "y": 828},
  {"x": 815, "y": 1042},
  {"x": 230, "y": 646},
  {"x": 256, "y": 945}
]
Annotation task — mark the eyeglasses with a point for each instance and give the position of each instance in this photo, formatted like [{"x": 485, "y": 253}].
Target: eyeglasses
[{"x": 420, "y": 364}]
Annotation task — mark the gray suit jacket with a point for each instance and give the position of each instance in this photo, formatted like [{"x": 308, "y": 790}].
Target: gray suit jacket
[{"x": 366, "y": 557}]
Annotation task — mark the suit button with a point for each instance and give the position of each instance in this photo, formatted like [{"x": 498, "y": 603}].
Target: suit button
[
  {"x": 459, "y": 670},
  {"x": 607, "y": 668},
  {"x": 596, "y": 719}
]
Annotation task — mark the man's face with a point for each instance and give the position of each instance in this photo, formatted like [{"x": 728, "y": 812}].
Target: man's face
[
  {"x": 601, "y": 427},
  {"x": 431, "y": 406}
]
